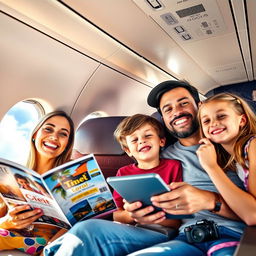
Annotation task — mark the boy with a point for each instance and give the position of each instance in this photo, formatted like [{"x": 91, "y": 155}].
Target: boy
[{"x": 141, "y": 137}]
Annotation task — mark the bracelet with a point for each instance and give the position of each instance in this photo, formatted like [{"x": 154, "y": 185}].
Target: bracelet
[{"x": 218, "y": 203}]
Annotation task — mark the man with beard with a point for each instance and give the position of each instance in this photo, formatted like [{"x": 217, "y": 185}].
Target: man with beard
[
  {"x": 214, "y": 229},
  {"x": 177, "y": 102}
]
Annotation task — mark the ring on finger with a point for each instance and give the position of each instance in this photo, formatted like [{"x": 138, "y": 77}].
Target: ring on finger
[
  {"x": 30, "y": 227},
  {"x": 177, "y": 206}
]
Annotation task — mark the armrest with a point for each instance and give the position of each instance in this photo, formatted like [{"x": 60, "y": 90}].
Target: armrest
[
  {"x": 168, "y": 231},
  {"x": 247, "y": 246}
]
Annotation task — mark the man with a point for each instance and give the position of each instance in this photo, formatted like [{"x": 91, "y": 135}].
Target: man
[{"x": 177, "y": 102}]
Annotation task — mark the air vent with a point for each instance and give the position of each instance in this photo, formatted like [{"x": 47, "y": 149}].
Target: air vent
[{"x": 186, "y": 21}]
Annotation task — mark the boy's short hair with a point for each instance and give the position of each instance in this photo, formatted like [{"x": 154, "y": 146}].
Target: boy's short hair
[{"x": 132, "y": 123}]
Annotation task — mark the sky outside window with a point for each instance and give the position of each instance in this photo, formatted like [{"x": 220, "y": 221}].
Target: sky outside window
[{"x": 15, "y": 130}]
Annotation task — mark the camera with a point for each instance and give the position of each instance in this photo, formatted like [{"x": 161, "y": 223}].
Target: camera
[{"x": 203, "y": 230}]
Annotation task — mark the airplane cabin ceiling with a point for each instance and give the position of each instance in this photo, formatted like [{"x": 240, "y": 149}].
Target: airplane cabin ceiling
[{"x": 207, "y": 42}]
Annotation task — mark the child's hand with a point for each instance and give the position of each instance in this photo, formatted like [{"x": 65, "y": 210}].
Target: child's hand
[
  {"x": 207, "y": 155},
  {"x": 142, "y": 215}
]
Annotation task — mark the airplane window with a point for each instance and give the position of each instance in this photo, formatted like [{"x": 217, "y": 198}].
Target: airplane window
[{"x": 15, "y": 129}]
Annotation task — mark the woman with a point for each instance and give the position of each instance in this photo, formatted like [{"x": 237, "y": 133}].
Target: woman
[{"x": 51, "y": 145}]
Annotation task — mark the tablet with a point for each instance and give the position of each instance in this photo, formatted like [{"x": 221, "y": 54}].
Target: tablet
[{"x": 141, "y": 187}]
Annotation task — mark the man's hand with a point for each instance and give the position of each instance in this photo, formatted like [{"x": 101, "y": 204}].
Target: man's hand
[
  {"x": 142, "y": 215},
  {"x": 184, "y": 199}
]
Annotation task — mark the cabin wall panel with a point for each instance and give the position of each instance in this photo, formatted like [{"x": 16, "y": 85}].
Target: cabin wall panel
[
  {"x": 33, "y": 65},
  {"x": 112, "y": 92},
  {"x": 251, "y": 9},
  {"x": 56, "y": 20},
  {"x": 126, "y": 22}
]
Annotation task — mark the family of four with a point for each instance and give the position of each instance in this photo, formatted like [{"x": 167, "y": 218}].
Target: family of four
[
  {"x": 210, "y": 168},
  {"x": 211, "y": 185}
]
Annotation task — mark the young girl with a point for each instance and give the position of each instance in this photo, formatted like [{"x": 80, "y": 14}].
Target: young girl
[
  {"x": 229, "y": 126},
  {"x": 51, "y": 145}
]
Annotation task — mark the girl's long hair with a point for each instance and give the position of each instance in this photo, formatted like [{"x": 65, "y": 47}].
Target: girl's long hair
[
  {"x": 241, "y": 107},
  {"x": 66, "y": 154}
]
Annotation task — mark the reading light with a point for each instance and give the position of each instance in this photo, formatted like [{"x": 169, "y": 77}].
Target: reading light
[{"x": 155, "y": 4}]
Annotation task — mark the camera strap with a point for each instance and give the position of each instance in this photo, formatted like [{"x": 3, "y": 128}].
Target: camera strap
[{"x": 220, "y": 246}]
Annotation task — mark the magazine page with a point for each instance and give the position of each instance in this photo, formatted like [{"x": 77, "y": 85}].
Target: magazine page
[
  {"x": 19, "y": 185},
  {"x": 80, "y": 189}
]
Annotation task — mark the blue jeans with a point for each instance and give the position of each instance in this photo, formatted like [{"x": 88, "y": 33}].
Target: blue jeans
[
  {"x": 101, "y": 237},
  {"x": 96, "y": 237},
  {"x": 180, "y": 247}
]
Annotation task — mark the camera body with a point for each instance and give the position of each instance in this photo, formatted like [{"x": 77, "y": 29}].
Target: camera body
[{"x": 203, "y": 230}]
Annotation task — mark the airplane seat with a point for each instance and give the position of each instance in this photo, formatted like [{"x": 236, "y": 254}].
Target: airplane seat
[
  {"x": 96, "y": 136},
  {"x": 90, "y": 138}
]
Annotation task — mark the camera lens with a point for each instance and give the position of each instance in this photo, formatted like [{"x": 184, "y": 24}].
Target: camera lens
[{"x": 198, "y": 235}]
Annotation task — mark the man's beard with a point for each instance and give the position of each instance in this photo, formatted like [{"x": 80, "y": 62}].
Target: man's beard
[{"x": 185, "y": 134}]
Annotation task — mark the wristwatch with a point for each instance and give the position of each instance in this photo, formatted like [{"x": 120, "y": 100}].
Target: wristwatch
[{"x": 218, "y": 203}]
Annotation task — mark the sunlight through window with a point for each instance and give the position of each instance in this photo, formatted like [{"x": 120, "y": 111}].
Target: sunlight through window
[{"x": 15, "y": 129}]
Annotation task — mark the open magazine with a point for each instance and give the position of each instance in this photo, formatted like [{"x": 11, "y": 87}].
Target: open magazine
[{"x": 71, "y": 192}]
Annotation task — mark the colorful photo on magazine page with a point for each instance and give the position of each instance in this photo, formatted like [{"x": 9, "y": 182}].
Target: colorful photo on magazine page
[
  {"x": 80, "y": 189},
  {"x": 18, "y": 186}
]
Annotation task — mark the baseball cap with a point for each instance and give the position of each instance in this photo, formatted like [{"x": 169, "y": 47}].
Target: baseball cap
[{"x": 157, "y": 92}]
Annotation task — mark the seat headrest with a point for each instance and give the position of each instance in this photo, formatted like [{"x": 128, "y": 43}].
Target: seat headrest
[{"x": 96, "y": 136}]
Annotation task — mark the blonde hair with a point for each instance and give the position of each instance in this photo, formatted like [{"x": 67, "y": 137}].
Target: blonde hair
[
  {"x": 241, "y": 107},
  {"x": 132, "y": 123},
  {"x": 66, "y": 154}
]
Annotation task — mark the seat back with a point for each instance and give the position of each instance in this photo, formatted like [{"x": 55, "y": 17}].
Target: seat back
[{"x": 96, "y": 136}]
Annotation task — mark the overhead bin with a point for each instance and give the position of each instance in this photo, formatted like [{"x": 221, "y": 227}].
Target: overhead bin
[
  {"x": 33, "y": 66},
  {"x": 60, "y": 22},
  {"x": 137, "y": 32}
]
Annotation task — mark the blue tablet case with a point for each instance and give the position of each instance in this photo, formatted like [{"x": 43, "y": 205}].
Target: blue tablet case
[{"x": 142, "y": 187}]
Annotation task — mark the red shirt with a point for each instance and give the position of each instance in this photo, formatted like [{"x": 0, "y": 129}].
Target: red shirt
[{"x": 169, "y": 170}]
